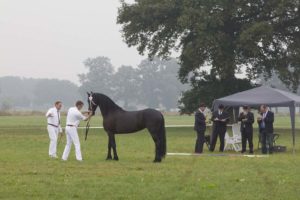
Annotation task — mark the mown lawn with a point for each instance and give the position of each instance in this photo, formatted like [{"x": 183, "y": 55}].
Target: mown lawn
[{"x": 26, "y": 172}]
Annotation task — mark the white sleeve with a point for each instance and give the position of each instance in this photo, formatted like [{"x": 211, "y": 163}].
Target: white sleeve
[
  {"x": 81, "y": 116},
  {"x": 49, "y": 112}
]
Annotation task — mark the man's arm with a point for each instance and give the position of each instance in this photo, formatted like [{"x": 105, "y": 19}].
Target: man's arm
[
  {"x": 202, "y": 119},
  {"x": 49, "y": 113},
  {"x": 250, "y": 118},
  {"x": 225, "y": 118},
  {"x": 269, "y": 118},
  {"x": 241, "y": 116},
  {"x": 214, "y": 117},
  {"x": 86, "y": 116}
]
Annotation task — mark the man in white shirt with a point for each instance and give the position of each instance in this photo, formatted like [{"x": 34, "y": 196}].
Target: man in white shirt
[
  {"x": 73, "y": 119},
  {"x": 53, "y": 127}
]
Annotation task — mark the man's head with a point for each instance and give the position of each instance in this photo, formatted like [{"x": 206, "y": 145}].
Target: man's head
[
  {"x": 202, "y": 107},
  {"x": 79, "y": 105},
  {"x": 221, "y": 107},
  {"x": 58, "y": 105},
  {"x": 245, "y": 109},
  {"x": 263, "y": 108}
]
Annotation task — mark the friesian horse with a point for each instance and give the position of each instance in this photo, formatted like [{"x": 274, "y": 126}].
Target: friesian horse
[{"x": 118, "y": 121}]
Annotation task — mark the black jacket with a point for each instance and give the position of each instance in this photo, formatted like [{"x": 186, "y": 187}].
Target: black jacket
[
  {"x": 200, "y": 124},
  {"x": 247, "y": 126},
  {"x": 269, "y": 120},
  {"x": 220, "y": 124}
]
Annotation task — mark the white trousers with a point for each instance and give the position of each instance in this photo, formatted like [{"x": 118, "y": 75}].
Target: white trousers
[
  {"x": 53, "y": 135},
  {"x": 72, "y": 137}
]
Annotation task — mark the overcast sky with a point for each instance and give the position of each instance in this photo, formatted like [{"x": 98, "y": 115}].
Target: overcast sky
[{"x": 51, "y": 38}]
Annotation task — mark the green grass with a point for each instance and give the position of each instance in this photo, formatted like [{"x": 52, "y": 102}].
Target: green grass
[{"x": 26, "y": 172}]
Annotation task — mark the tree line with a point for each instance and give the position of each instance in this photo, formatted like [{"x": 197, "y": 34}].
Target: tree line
[
  {"x": 153, "y": 83},
  {"x": 35, "y": 94}
]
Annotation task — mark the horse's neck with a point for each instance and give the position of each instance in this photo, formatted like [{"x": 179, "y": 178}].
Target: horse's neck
[{"x": 105, "y": 110}]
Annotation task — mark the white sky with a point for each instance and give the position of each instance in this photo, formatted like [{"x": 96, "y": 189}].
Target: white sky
[{"x": 51, "y": 38}]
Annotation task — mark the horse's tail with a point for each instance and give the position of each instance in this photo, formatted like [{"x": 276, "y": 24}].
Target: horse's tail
[{"x": 162, "y": 138}]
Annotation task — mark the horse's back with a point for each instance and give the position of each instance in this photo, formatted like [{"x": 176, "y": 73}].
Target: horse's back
[
  {"x": 132, "y": 121},
  {"x": 152, "y": 116}
]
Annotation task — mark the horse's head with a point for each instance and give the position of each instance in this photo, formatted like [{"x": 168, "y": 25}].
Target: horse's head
[{"x": 92, "y": 105}]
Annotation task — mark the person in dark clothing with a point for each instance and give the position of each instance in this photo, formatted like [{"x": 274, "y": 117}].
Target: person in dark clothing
[
  {"x": 247, "y": 119},
  {"x": 200, "y": 127},
  {"x": 265, "y": 122},
  {"x": 220, "y": 119}
]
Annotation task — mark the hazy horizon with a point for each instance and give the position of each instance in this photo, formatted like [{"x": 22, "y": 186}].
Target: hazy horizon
[{"x": 51, "y": 39}]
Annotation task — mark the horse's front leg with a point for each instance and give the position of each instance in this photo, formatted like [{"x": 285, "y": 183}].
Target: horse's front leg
[
  {"x": 114, "y": 147},
  {"x": 109, "y": 149}
]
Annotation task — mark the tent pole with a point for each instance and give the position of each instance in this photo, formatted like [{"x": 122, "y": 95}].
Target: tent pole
[{"x": 292, "y": 113}]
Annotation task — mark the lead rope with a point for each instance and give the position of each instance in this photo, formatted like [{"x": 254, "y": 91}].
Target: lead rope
[{"x": 87, "y": 128}]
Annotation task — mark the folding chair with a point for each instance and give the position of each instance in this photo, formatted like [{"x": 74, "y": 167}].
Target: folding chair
[
  {"x": 231, "y": 143},
  {"x": 236, "y": 132},
  {"x": 234, "y": 142},
  {"x": 275, "y": 138}
]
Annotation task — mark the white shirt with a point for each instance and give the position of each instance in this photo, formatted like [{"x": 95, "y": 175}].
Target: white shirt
[
  {"x": 74, "y": 116},
  {"x": 203, "y": 112},
  {"x": 54, "y": 119}
]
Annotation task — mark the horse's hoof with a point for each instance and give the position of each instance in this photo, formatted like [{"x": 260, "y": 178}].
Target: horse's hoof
[
  {"x": 108, "y": 158},
  {"x": 157, "y": 160},
  {"x": 116, "y": 158}
]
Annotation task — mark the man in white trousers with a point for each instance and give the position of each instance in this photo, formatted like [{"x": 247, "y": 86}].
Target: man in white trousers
[
  {"x": 53, "y": 127},
  {"x": 73, "y": 119}
]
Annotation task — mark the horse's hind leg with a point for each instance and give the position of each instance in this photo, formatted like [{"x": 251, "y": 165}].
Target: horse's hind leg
[
  {"x": 114, "y": 147},
  {"x": 109, "y": 149},
  {"x": 156, "y": 141}
]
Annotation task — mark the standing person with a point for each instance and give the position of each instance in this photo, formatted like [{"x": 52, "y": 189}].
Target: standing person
[
  {"x": 200, "y": 127},
  {"x": 266, "y": 126},
  {"x": 54, "y": 127},
  {"x": 220, "y": 119},
  {"x": 247, "y": 119},
  {"x": 74, "y": 117}
]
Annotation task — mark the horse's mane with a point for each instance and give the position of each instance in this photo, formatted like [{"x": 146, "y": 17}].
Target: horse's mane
[{"x": 105, "y": 103}]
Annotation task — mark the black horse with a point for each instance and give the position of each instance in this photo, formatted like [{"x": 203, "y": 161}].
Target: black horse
[{"x": 118, "y": 121}]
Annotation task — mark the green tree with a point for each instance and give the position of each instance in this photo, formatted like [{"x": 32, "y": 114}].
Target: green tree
[
  {"x": 261, "y": 35},
  {"x": 127, "y": 86},
  {"x": 99, "y": 76},
  {"x": 159, "y": 85}
]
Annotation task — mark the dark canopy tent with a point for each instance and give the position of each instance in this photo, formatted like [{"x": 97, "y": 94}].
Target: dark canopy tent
[{"x": 263, "y": 95}]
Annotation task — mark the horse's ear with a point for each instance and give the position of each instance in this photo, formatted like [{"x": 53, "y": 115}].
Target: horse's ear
[
  {"x": 92, "y": 93},
  {"x": 88, "y": 94}
]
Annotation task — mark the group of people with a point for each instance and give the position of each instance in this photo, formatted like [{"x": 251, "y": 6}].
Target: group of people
[
  {"x": 220, "y": 119},
  {"x": 74, "y": 117}
]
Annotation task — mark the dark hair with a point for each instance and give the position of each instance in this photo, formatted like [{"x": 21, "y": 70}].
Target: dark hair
[
  {"x": 264, "y": 106},
  {"x": 202, "y": 105},
  {"x": 221, "y": 106},
  {"x": 79, "y": 103},
  {"x": 57, "y": 102},
  {"x": 245, "y": 107}
]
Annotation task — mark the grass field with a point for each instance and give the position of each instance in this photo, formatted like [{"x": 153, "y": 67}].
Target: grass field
[{"x": 26, "y": 172}]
